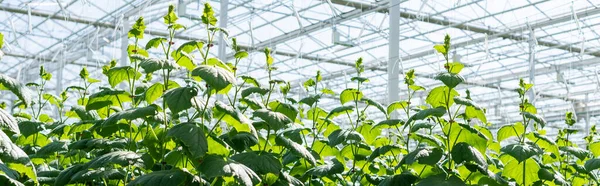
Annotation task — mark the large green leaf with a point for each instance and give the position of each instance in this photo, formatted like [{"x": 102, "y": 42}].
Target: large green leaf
[
  {"x": 171, "y": 177},
  {"x": 340, "y": 110},
  {"x": 516, "y": 170},
  {"x": 580, "y": 153},
  {"x": 252, "y": 90},
  {"x": 215, "y": 76},
  {"x": 426, "y": 138},
  {"x": 192, "y": 137},
  {"x": 429, "y": 156},
  {"x": 295, "y": 148},
  {"x": 592, "y": 164},
  {"x": 4, "y": 179},
  {"x": 179, "y": 99},
  {"x": 9, "y": 152},
  {"x": 537, "y": 118},
  {"x": 240, "y": 141},
  {"x": 450, "y": 79},
  {"x": 381, "y": 151},
  {"x": 215, "y": 166},
  {"x": 467, "y": 102},
  {"x": 507, "y": 131},
  {"x": 7, "y": 121},
  {"x": 457, "y": 132},
  {"x": 85, "y": 115},
  {"x": 376, "y": 104},
  {"x": 441, "y": 96},
  {"x": 441, "y": 180},
  {"x": 261, "y": 163},
  {"x": 289, "y": 110},
  {"x": 131, "y": 114},
  {"x": 107, "y": 97},
  {"x": 350, "y": 94},
  {"x": 344, "y": 136},
  {"x": 396, "y": 105},
  {"x": 595, "y": 148},
  {"x": 403, "y": 179},
  {"x": 335, "y": 167},
  {"x": 275, "y": 120},
  {"x": 64, "y": 177},
  {"x": 421, "y": 115},
  {"x": 123, "y": 158},
  {"x": 521, "y": 152},
  {"x": 151, "y": 65},
  {"x": 30, "y": 127},
  {"x": 24, "y": 93},
  {"x": 551, "y": 175},
  {"x": 117, "y": 75},
  {"x": 463, "y": 152},
  {"x": 53, "y": 148}
]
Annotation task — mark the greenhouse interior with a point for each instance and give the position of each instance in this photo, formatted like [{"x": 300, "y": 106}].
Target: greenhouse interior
[{"x": 299, "y": 92}]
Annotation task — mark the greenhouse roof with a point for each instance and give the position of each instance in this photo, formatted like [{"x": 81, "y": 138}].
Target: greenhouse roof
[{"x": 494, "y": 39}]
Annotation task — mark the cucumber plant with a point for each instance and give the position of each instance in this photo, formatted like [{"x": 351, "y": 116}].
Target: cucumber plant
[{"x": 184, "y": 117}]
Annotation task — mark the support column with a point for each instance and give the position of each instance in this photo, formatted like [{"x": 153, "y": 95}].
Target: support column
[
  {"x": 393, "y": 69},
  {"x": 223, "y": 24},
  {"x": 532, "y": 65},
  {"x": 124, "y": 42},
  {"x": 587, "y": 114}
]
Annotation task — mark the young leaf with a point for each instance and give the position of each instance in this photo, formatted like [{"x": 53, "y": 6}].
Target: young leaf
[
  {"x": 155, "y": 42},
  {"x": 455, "y": 67},
  {"x": 137, "y": 29},
  {"x": 214, "y": 166},
  {"x": 396, "y": 105},
  {"x": 218, "y": 78},
  {"x": 208, "y": 15},
  {"x": 117, "y": 75},
  {"x": 192, "y": 137},
  {"x": 179, "y": 99},
  {"x": 171, "y": 17}
]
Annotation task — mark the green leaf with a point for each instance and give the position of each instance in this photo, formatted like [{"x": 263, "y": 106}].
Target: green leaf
[
  {"x": 472, "y": 112},
  {"x": 52, "y": 148},
  {"x": 403, "y": 179},
  {"x": 538, "y": 119},
  {"x": 376, "y": 104},
  {"x": 275, "y": 120},
  {"x": 449, "y": 79},
  {"x": 516, "y": 170},
  {"x": 440, "y": 48},
  {"x": 421, "y": 125},
  {"x": 250, "y": 80},
  {"x": 580, "y": 153},
  {"x": 151, "y": 65},
  {"x": 344, "y": 136},
  {"x": 9, "y": 122},
  {"x": 295, "y": 148},
  {"x": 24, "y": 93},
  {"x": 9, "y": 152},
  {"x": 155, "y": 42},
  {"x": 426, "y": 138},
  {"x": 218, "y": 78},
  {"x": 455, "y": 67},
  {"x": 123, "y": 158},
  {"x": 510, "y": 130},
  {"x": 551, "y": 175},
  {"x": 467, "y": 102},
  {"x": 339, "y": 110},
  {"x": 521, "y": 152},
  {"x": 241, "y": 54},
  {"x": 179, "y": 99},
  {"x": 262, "y": 163},
  {"x": 1, "y": 40},
  {"x": 458, "y": 132},
  {"x": 4, "y": 178},
  {"x": 350, "y": 94},
  {"x": 167, "y": 177},
  {"x": 208, "y": 15},
  {"x": 441, "y": 180},
  {"x": 595, "y": 148},
  {"x": 389, "y": 122},
  {"x": 65, "y": 176},
  {"x": 421, "y": 115},
  {"x": 171, "y": 16},
  {"x": 384, "y": 150},
  {"x": 289, "y": 110},
  {"x": 137, "y": 29},
  {"x": 117, "y": 75},
  {"x": 310, "y": 100},
  {"x": 336, "y": 167},
  {"x": 154, "y": 92},
  {"x": 438, "y": 97},
  {"x": 463, "y": 152},
  {"x": 396, "y": 105},
  {"x": 30, "y": 127},
  {"x": 252, "y": 90},
  {"x": 592, "y": 164},
  {"x": 428, "y": 156},
  {"x": 131, "y": 114},
  {"x": 192, "y": 137},
  {"x": 215, "y": 166},
  {"x": 133, "y": 50}
]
